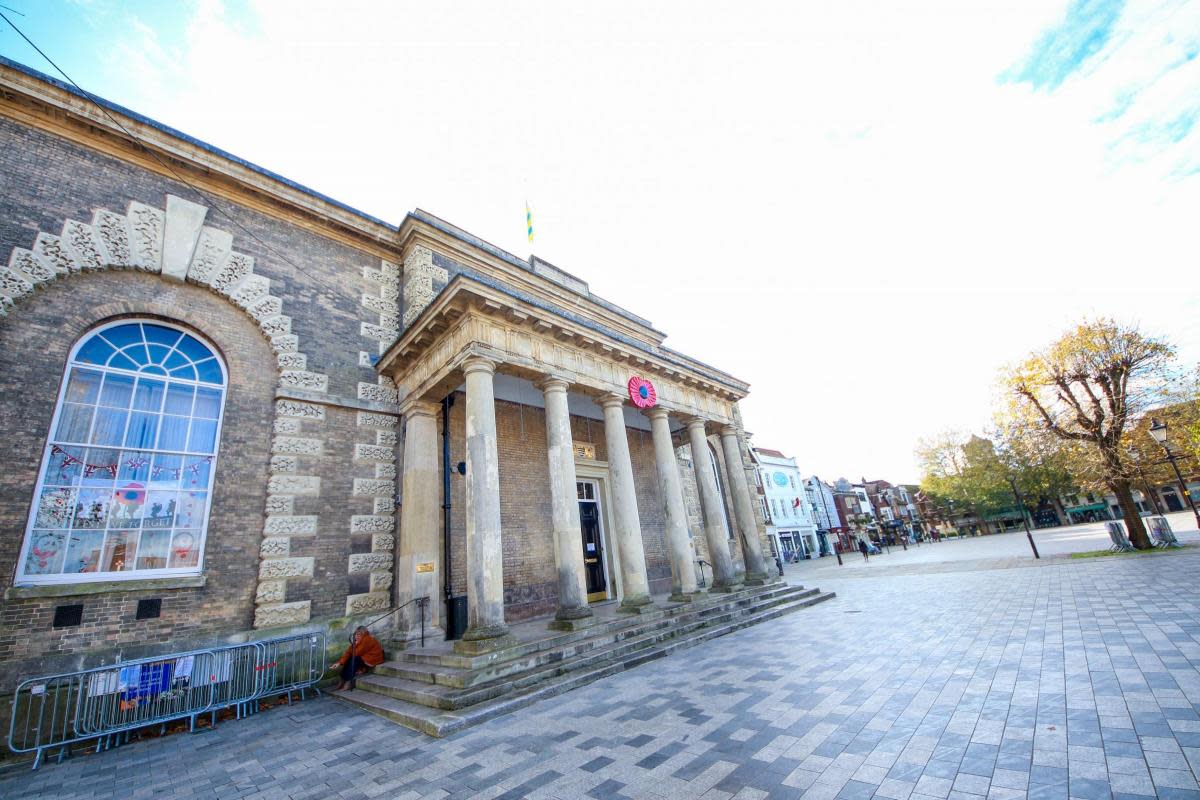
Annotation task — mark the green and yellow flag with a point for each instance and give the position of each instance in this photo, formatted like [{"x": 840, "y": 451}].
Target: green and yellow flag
[{"x": 528, "y": 222}]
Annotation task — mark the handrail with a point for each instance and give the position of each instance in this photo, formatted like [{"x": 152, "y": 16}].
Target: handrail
[{"x": 422, "y": 602}]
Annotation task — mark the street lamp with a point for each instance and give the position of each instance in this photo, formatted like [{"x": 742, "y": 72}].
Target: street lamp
[{"x": 1158, "y": 430}]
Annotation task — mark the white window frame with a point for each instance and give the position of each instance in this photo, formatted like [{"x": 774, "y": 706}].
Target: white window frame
[{"x": 20, "y": 579}]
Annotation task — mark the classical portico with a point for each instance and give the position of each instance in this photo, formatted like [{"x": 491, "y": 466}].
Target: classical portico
[{"x": 473, "y": 332}]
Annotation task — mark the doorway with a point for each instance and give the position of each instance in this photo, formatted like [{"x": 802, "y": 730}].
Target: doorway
[{"x": 595, "y": 556}]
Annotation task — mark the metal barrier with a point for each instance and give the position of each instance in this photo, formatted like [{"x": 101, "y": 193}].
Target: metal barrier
[
  {"x": 107, "y": 703},
  {"x": 1120, "y": 541},
  {"x": 1161, "y": 533}
]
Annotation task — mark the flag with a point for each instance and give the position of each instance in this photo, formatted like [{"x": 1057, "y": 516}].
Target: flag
[{"x": 529, "y": 222}]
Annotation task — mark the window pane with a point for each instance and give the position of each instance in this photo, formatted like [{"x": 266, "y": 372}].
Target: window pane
[
  {"x": 153, "y": 370},
  {"x": 166, "y": 472},
  {"x": 161, "y": 335},
  {"x": 196, "y": 472},
  {"x": 84, "y": 386},
  {"x": 190, "y": 513},
  {"x": 158, "y": 353},
  {"x": 208, "y": 403},
  {"x": 46, "y": 553},
  {"x": 184, "y": 549},
  {"x": 160, "y": 510},
  {"x": 193, "y": 349},
  {"x": 64, "y": 466},
  {"x": 91, "y": 508},
  {"x": 209, "y": 371},
  {"x": 179, "y": 399},
  {"x": 142, "y": 428},
  {"x": 125, "y": 511},
  {"x": 138, "y": 354},
  {"x": 118, "y": 389},
  {"x": 121, "y": 335},
  {"x": 135, "y": 466},
  {"x": 203, "y": 436},
  {"x": 176, "y": 360},
  {"x": 149, "y": 395},
  {"x": 54, "y": 508},
  {"x": 173, "y": 433},
  {"x": 100, "y": 466},
  {"x": 120, "y": 361},
  {"x": 118, "y": 551},
  {"x": 83, "y": 551},
  {"x": 187, "y": 373},
  {"x": 152, "y": 549},
  {"x": 74, "y": 422},
  {"x": 110, "y": 426},
  {"x": 94, "y": 351}
]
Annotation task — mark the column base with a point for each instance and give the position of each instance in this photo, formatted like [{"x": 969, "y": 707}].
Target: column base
[
  {"x": 637, "y": 604},
  {"x": 486, "y": 639},
  {"x": 756, "y": 579},
  {"x": 571, "y": 619},
  {"x": 687, "y": 597},
  {"x": 725, "y": 587}
]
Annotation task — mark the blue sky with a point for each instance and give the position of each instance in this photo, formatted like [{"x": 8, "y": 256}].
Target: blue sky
[{"x": 863, "y": 209}]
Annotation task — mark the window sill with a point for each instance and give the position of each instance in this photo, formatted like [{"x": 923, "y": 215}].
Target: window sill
[{"x": 104, "y": 587}]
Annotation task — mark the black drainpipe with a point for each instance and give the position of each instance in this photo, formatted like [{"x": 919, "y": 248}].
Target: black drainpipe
[{"x": 447, "y": 401}]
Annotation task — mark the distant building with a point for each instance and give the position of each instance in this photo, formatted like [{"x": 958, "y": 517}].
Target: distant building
[
  {"x": 790, "y": 523},
  {"x": 829, "y": 522}
]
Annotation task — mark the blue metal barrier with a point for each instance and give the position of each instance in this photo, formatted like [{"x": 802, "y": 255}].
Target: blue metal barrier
[{"x": 107, "y": 703}]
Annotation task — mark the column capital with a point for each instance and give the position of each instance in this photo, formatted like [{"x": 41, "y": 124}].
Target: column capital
[
  {"x": 656, "y": 412},
  {"x": 610, "y": 399},
  {"x": 695, "y": 422},
  {"x": 478, "y": 364},
  {"x": 418, "y": 408},
  {"x": 728, "y": 430},
  {"x": 553, "y": 383}
]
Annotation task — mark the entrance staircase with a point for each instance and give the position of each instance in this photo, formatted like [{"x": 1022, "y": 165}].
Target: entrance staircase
[{"x": 437, "y": 691}]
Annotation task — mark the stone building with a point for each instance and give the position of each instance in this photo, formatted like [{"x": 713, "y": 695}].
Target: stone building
[{"x": 230, "y": 405}]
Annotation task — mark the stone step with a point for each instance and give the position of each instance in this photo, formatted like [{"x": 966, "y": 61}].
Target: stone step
[
  {"x": 441, "y": 722},
  {"x": 465, "y": 689},
  {"x": 624, "y": 624},
  {"x": 462, "y": 678}
]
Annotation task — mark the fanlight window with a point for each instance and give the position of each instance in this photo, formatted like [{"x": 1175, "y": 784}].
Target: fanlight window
[{"x": 126, "y": 478}]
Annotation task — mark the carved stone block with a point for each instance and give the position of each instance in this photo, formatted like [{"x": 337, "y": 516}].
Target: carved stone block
[
  {"x": 286, "y": 568},
  {"x": 294, "y": 484},
  {"x": 212, "y": 251},
  {"x": 368, "y": 420},
  {"x": 290, "y": 526},
  {"x": 30, "y": 267},
  {"x": 373, "y": 452},
  {"x": 270, "y": 616},
  {"x": 285, "y": 342},
  {"x": 270, "y": 592},
  {"x": 114, "y": 233},
  {"x": 84, "y": 243},
  {"x": 364, "y": 603},
  {"x": 281, "y": 464},
  {"x": 368, "y": 562},
  {"x": 50, "y": 248},
  {"x": 381, "y": 581},
  {"x": 372, "y": 523},
  {"x": 385, "y": 438},
  {"x": 275, "y": 546},
  {"x": 295, "y": 408},
  {"x": 292, "y": 361},
  {"x": 383, "y": 505},
  {"x": 379, "y": 394},
  {"x": 383, "y": 543},
  {"x": 301, "y": 379},
  {"x": 281, "y": 504},
  {"x": 277, "y": 328},
  {"x": 146, "y": 226},
  {"x": 373, "y": 488},
  {"x": 385, "y": 471},
  {"x": 296, "y": 446}
]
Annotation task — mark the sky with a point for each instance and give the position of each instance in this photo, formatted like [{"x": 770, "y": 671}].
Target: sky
[{"x": 863, "y": 209}]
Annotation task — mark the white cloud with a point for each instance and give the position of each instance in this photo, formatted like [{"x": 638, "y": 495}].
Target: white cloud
[{"x": 843, "y": 205}]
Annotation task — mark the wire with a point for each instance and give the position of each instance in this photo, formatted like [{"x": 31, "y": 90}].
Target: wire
[{"x": 199, "y": 192}]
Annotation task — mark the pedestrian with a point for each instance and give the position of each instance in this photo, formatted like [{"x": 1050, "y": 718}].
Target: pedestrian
[
  {"x": 363, "y": 653},
  {"x": 862, "y": 548}
]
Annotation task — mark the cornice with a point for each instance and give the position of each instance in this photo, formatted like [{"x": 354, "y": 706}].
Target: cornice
[{"x": 465, "y": 296}]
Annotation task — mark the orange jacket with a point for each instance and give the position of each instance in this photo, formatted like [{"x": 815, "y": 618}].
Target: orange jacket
[{"x": 368, "y": 649}]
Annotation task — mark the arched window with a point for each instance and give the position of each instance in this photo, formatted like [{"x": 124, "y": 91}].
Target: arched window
[{"x": 126, "y": 477}]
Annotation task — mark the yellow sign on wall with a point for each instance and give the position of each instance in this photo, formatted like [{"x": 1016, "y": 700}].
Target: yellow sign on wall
[
  {"x": 585, "y": 450},
  {"x": 426, "y": 566}
]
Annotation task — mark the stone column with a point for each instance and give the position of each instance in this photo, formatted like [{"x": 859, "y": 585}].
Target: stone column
[
  {"x": 485, "y": 559},
  {"x": 739, "y": 490},
  {"x": 670, "y": 487},
  {"x": 628, "y": 524},
  {"x": 724, "y": 577},
  {"x": 573, "y": 612},
  {"x": 419, "y": 559}
]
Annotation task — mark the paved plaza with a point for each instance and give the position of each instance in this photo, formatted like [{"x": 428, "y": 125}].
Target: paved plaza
[{"x": 1071, "y": 678}]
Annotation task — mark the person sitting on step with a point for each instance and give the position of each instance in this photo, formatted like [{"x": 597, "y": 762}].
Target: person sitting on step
[{"x": 364, "y": 652}]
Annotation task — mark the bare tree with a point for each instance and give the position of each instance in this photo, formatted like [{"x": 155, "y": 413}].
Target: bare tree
[{"x": 1086, "y": 389}]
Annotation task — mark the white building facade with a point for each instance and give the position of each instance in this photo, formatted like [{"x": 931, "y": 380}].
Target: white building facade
[{"x": 790, "y": 524}]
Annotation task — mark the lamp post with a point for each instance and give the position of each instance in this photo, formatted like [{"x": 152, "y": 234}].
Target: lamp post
[
  {"x": 1158, "y": 430},
  {"x": 1024, "y": 519}
]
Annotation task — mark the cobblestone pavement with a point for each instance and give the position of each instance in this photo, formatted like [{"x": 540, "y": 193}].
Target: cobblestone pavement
[{"x": 1077, "y": 678}]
